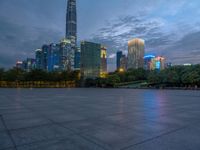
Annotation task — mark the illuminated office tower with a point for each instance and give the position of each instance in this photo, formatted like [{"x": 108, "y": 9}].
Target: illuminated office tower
[
  {"x": 90, "y": 60},
  {"x": 66, "y": 55},
  {"x": 103, "y": 69},
  {"x": 158, "y": 63},
  {"x": 71, "y": 21},
  {"x": 136, "y": 53},
  {"x": 123, "y": 63},
  {"x": 148, "y": 62},
  {"x": 38, "y": 58},
  {"x": 71, "y": 28},
  {"x": 54, "y": 57}
]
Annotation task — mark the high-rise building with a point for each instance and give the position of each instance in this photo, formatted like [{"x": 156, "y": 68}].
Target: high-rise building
[
  {"x": 54, "y": 58},
  {"x": 123, "y": 63},
  {"x": 38, "y": 58},
  {"x": 71, "y": 21},
  {"x": 66, "y": 55},
  {"x": 77, "y": 59},
  {"x": 90, "y": 60},
  {"x": 119, "y": 56},
  {"x": 158, "y": 63},
  {"x": 152, "y": 62},
  {"x": 148, "y": 62},
  {"x": 29, "y": 64},
  {"x": 136, "y": 53},
  {"x": 71, "y": 29},
  {"x": 103, "y": 68},
  {"x": 45, "y": 50},
  {"x": 19, "y": 65}
]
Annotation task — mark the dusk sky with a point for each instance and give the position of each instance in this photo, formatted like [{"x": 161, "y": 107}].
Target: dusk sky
[{"x": 170, "y": 28}]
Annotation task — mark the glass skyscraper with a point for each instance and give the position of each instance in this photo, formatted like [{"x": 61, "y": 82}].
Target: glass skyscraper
[
  {"x": 119, "y": 56},
  {"x": 71, "y": 29},
  {"x": 90, "y": 60},
  {"x": 66, "y": 55},
  {"x": 77, "y": 59},
  {"x": 38, "y": 58},
  {"x": 71, "y": 21}
]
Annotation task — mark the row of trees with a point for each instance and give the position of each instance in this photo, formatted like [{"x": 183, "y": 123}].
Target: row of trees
[
  {"x": 177, "y": 76},
  {"x": 15, "y": 74}
]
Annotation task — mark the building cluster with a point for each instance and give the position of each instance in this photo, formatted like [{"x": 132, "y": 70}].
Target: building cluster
[
  {"x": 90, "y": 58},
  {"x": 137, "y": 59}
]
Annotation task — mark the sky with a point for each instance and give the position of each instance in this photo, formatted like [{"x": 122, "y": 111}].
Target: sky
[{"x": 170, "y": 28}]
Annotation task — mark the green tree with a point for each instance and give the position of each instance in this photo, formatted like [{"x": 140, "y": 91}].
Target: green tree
[
  {"x": 14, "y": 74},
  {"x": 37, "y": 75},
  {"x": 113, "y": 79},
  {"x": 2, "y": 74}
]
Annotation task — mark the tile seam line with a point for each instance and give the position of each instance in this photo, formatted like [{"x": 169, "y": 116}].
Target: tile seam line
[
  {"x": 156, "y": 137},
  {"x": 75, "y": 133},
  {"x": 8, "y": 132}
]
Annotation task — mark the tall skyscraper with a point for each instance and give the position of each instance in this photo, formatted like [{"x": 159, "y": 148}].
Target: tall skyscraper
[
  {"x": 77, "y": 59},
  {"x": 71, "y": 30},
  {"x": 38, "y": 58},
  {"x": 90, "y": 60},
  {"x": 136, "y": 53},
  {"x": 119, "y": 56},
  {"x": 71, "y": 22},
  {"x": 54, "y": 57},
  {"x": 66, "y": 55},
  {"x": 45, "y": 51}
]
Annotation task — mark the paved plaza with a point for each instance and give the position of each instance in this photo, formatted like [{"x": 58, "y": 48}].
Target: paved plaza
[{"x": 99, "y": 119}]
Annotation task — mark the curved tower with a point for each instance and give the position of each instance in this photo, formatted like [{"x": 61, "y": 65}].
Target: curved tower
[{"x": 136, "y": 53}]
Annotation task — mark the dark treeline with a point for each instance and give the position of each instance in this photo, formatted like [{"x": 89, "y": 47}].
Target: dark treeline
[
  {"x": 177, "y": 76},
  {"x": 15, "y": 74}
]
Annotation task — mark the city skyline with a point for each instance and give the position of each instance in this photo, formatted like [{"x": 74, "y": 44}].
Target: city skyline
[{"x": 171, "y": 32}]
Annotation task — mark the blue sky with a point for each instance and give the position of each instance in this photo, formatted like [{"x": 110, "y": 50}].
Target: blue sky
[{"x": 170, "y": 28}]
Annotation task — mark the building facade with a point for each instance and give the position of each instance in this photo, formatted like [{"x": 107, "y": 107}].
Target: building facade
[
  {"x": 103, "y": 69},
  {"x": 71, "y": 29},
  {"x": 54, "y": 58},
  {"x": 148, "y": 62},
  {"x": 77, "y": 59},
  {"x": 119, "y": 56},
  {"x": 123, "y": 63},
  {"x": 19, "y": 65},
  {"x": 38, "y": 58},
  {"x": 90, "y": 60},
  {"x": 66, "y": 55},
  {"x": 152, "y": 62},
  {"x": 136, "y": 53},
  {"x": 158, "y": 63},
  {"x": 29, "y": 64}
]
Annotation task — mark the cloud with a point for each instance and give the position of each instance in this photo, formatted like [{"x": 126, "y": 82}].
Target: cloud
[
  {"x": 186, "y": 50},
  {"x": 19, "y": 42},
  {"x": 161, "y": 37},
  {"x": 111, "y": 56}
]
